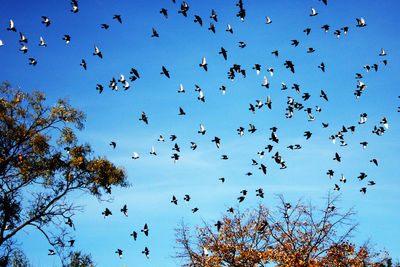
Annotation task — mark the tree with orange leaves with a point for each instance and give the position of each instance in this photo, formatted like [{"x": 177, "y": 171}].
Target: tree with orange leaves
[{"x": 292, "y": 235}]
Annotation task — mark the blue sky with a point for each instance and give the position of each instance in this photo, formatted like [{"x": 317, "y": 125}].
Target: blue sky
[{"x": 114, "y": 115}]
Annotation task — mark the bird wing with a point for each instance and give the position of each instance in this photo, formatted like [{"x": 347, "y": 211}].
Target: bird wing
[{"x": 204, "y": 61}]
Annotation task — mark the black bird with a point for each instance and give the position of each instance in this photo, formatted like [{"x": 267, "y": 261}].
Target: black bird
[
  {"x": 118, "y": 17},
  {"x": 222, "y": 179},
  {"x": 165, "y": 72},
  {"x": 66, "y": 38},
  {"x": 224, "y": 157},
  {"x": 325, "y": 27},
  {"x": 363, "y": 190},
  {"x": 71, "y": 242},
  {"x": 83, "y": 64},
  {"x": 218, "y": 225},
  {"x": 212, "y": 27},
  {"x": 361, "y": 22},
  {"x": 134, "y": 235},
  {"x": 198, "y": 19},
  {"x": 51, "y": 252},
  {"x": 134, "y": 72},
  {"x": 322, "y": 66},
  {"x": 276, "y": 53},
  {"x": 307, "y": 134},
  {"x": 174, "y": 200},
  {"x": 104, "y": 26},
  {"x": 46, "y": 21},
  {"x": 32, "y": 61},
  {"x": 164, "y": 12},
  {"x": 217, "y": 141},
  {"x": 263, "y": 168},
  {"x": 146, "y": 252},
  {"x": 186, "y": 198},
  {"x": 310, "y": 50},
  {"x": 323, "y": 95},
  {"x": 74, "y": 5},
  {"x": 295, "y": 43},
  {"x": 213, "y": 15},
  {"x": 195, "y": 209},
  {"x": 330, "y": 173},
  {"x": 145, "y": 230},
  {"x": 223, "y": 52},
  {"x": 337, "y": 188},
  {"x": 337, "y": 157},
  {"x": 119, "y": 252},
  {"x": 325, "y": 2},
  {"x": 181, "y": 112},
  {"x": 307, "y": 31},
  {"x": 106, "y": 213},
  {"x": 324, "y": 125},
  {"x": 176, "y": 148},
  {"x": 362, "y": 176},
  {"x": 374, "y": 161},
  {"x": 172, "y": 137},
  {"x": 175, "y": 157},
  {"x": 260, "y": 193},
  {"x": 155, "y": 34},
  {"x": 306, "y": 96},
  {"x": 289, "y": 65},
  {"x": 184, "y": 9},
  {"x": 252, "y": 128},
  {"x": 113, "y": 144},
  {"x": 203, "y": 64},
  {"x": 241, "y": 198},
  {"x": 144, "y": 118},
  {"x": 371, "y": 183},
  {"x": 124, "y": 210}
]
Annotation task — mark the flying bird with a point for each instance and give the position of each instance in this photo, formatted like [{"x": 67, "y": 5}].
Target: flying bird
[
  {"x": 155, "y": 34},
  {"x": 198, "y": 19},
  {"x": 214, "y": 15},
  {"x": 165, "y": 72},
  {"x": 11, "y": 27},
  {"x": 203, "y": 64},
  {"x": 164, "y": 12},
  {"x": 361, "y": 22},
  {"x": 46, "y": 21},
  {"x": 118, "y": 17},
  {"x": 97, "y": 52},
  {"x": 313, "y": 12},
  {"x": 229, "y": 29},
  {"x": 144, "y": 118},
  {"x": 67, "y": 38}
]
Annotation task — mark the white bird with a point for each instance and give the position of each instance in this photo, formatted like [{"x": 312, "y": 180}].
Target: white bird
[
  {"x": 202, "y": 129},
  {"x": 266, "y": 84},
  {"x": 343, "y": 179},
  {"x": 383, "y": 53},
  {"x": 153, "y": 152},
  {"x": 1, "y": 43},
  {"x": 361, "y": 22},
  {"x": 385, "y": 122},
  {"x": 12, "y": 27},
  {"x": 126, "y": 85},
  {"x": 271, "y": 71},
  {"x": 181, "y": 90},
  {"x": 268, "y": 20},
  {"x": 313, "y": 12},
  {"x": 23, "y": 38},
  {"x": 229, "y": 29},
  {"x": 42, "y": 43},
  {"x": 161, "y": 138},
  {"x": 23, "y": 48},
  {"x": 135, "y": 155},
  {"x": 122, "y": 79},
  {"x": 201, "y": 96},
  {"x": 97, "y": 52},
  {"x": 203, "y": 64}
]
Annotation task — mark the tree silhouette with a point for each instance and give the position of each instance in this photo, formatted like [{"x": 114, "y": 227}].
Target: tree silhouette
[
  {"x": 41, "y": 164},
  {"x": 292, "y": 235}
]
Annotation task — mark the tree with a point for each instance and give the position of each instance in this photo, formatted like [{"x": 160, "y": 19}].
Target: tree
[
  {"x": 41, "y": 164},
  {"x": 292, "y": 235}
]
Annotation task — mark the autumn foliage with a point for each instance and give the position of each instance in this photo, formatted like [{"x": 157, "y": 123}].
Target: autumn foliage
[{"x": 291, "y": 235}]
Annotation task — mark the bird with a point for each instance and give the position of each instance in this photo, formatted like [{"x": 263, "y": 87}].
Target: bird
[
  {"x": 12, "y": 26},
  {"x": 99, "y": 88},
  {"x": 268, "y": 20},
  {"x": 71, "y": 242},
  {"x": 322, "y": 66},
  {"x": 223, "y": 52},
  {"x": 343, "y": 179},
  {"x": 222, "y": 179},
  {"x": 374, "y": 161},
  {"x": 119, "y": 252},
  {"x": 229, "y": 29},
  {"x": 106, "y": 213},
  {"x": 323, "y": 95},
  {"x": 74, "y": 5},
  {"x": 181, "y": 112},
  {"x": 325, "y": 27},
  {"x": 268, "y": 103},
  {"x": 345, "y": 29},
  {"x": 276, "y": 53},
  {"x": 174, "y": 200},
  {"x": 330, "y": 173},
  {"x": 152, "y": 152},
  {"x": 113, "y": 144},
  {"x": 337, "y": 157},
  {"x": 23, "y": 48},
  {"x": 22, "y": 38},
  {"x": 384, "y": 122},
  {"x": 124, "y": 210},
  {"x": 67, "y": 38},
  {"x": 145, "y": 230},
  {"x": 364, "y": 144},
  {"x": 223, "y": 89},
  {"x": 212, "y": 27},
  {"x": 32, "y": 61},
  {"x": 202, "y": 130},
  {"x": 165, "y": 72},
  {"x": 1, "y": 43},
  {"x": 260, "y": 193},
  {"x": 175, "y": 157},
  {"x": 46, "y": 21},
  {"x": 198, "y": 20},
  {"x": 363, "y": 190},
  {"x": 218, "y": 225},
  {"x": 217, "y": 141},
  {"x": 146, "y": 252},
  {"x": 186, "y": 198},
  {"x": 371, "y": 183},
  {"x": 337, "y": 188},
  {"x": 265, "y": 83},
  {"x": 42, "y": 43},
  {"x": 214, "y": 15},
  {"x": 135, "y": 155},
  {"x": 313, "y": 12},
  {"x": 295, "y": 43},
  {"x": 337, "y": 33},
  {"x": 203, "y": 64},
  {"x": 307, "y": 31},
  {"x": 104, "y": 26},
  {"x": 195, "y": 210},
  {"x": 307, "y": 134},
  {"x": 361, "y": 22},
  {"x": 83, "y": 64},
  {"x": 144, "y": 118},
  {"x": 252, "y": 128},
  {"x": 118, "y": 17},
  {"x": 97, "y": 52},
  {"x": 224, "y": 157},
  {"x": 242, "y": 44},
  {"x": 263, "y": 168},
  {"x": 155, "y": 34},
  {"x": 184, "y": 9},
  {"x": 51, "y": 252},
  {"x": 383, "y": 53},
  {"x": 134, "y": 235},
  {"x": 362, "y": 176},
  {"x": 289, "y": 65},
  {"x": 193, "y": 145},
  {"x": 164, "y": 12},
  {"x": 310, "y": 50}
]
